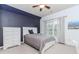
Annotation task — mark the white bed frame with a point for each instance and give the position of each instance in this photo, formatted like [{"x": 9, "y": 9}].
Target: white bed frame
[{"x": 48, "y": 45}]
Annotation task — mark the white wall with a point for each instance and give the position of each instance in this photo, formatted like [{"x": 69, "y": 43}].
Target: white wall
[{"x": 72, "y": 14}]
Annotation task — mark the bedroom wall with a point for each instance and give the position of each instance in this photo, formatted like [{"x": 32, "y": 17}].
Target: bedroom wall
[
  {"x": 72, "y": 14},
  {"x": 12, "y": 17},
  {"x": 1, "y": 37}
]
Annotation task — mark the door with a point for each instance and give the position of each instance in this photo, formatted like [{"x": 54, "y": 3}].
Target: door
[
  {"x": 55, "y": 28},
  {"x": 52, "y": 28},
  {"x": 49, "y": 28}
]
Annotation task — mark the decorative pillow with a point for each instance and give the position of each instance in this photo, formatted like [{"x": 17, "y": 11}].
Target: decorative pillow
[{"x": 31, "y": 32}]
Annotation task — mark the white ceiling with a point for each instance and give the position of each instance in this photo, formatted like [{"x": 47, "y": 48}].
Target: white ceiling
[{"x": 54, "y": 8}]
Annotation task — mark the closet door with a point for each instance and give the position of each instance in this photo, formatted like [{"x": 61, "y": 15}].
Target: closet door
[
  {"x": 61, "y": 30},
  {"x": 49, "y": 28},
  {"x": 11, "y": 36},
  {"x": 52, "y": 28},
  {"x": 56, "y": 29}
]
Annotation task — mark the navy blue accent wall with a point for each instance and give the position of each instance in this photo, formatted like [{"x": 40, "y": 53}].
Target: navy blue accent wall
[
  {"x": 12, "y": 17},
  {"x": 1, "y": 32},
  {"x": 17, "y": 20}
]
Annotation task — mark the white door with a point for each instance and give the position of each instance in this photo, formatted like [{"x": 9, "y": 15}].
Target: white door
[
  {"x": 52, "y": 28},
  {"x": 49, "y": 28},
  {"x": 55, "y": 28}
]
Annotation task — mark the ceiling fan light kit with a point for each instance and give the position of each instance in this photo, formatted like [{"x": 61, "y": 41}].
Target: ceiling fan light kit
[{"x": 41, "y": 6}]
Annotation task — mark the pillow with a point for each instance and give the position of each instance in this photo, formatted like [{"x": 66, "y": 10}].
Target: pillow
[{"x": 31, "y": 31}]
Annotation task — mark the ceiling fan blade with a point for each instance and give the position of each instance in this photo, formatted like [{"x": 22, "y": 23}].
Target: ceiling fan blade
[
  {"x": 47, "y": 7},
  {"x": 40, "y": 9},
  {"x": 35, "y": 6}
]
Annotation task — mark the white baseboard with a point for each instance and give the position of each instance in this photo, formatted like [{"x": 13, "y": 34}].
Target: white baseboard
[
  {"x": 22, "y": 42},
  {"x": 71, "y": 45},
  {"x": 2, "y": 46}
]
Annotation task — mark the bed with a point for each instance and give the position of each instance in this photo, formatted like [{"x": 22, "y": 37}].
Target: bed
[{"x": 39, "y": 41}]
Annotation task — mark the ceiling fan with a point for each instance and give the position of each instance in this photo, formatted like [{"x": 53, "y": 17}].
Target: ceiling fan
[{"x": 41, "y": 6}]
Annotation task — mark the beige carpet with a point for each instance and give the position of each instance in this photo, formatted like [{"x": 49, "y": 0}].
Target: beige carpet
[{"x": 26, "y": 49}]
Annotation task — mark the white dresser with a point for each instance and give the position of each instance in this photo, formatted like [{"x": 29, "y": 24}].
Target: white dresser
[{"x": 11, "y": 36}]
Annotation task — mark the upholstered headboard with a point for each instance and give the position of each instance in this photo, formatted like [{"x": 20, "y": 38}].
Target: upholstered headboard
[{"x": 25, "y": 30}]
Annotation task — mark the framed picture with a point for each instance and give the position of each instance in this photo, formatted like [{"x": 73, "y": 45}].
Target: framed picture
[{"x": 73, "y": 24}]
